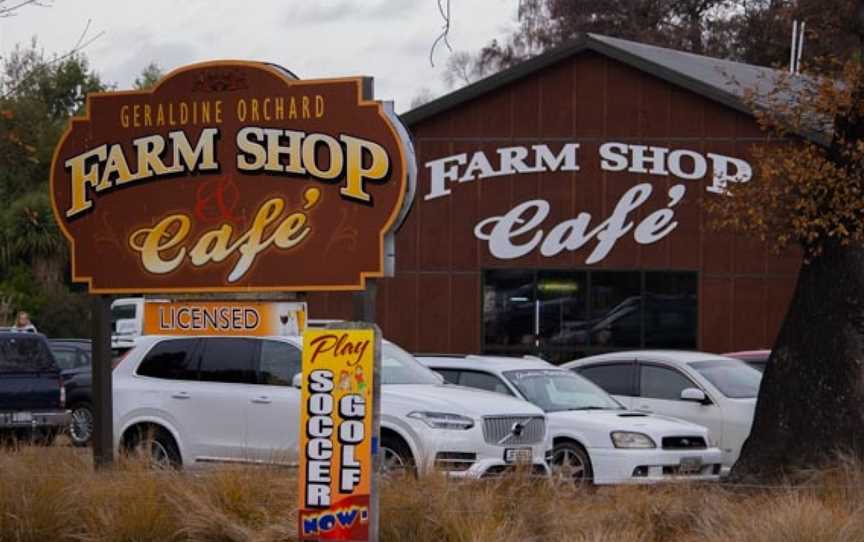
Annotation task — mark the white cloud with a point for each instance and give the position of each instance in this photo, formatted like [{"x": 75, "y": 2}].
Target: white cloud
[{"x": 387, "y": 39}]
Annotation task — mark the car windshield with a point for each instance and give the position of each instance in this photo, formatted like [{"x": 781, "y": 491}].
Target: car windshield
[
  {"x": 556, "y": 390},
  {"x": 19, "y": 354},
  {"x": 400, "y": 367},
  {"x": 734, "y": 379}
]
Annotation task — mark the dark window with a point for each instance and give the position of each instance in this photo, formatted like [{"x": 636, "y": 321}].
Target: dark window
[
  {"x": 483, "y": 381},
  {"x": 121, "y": 312},
  {"x": 566, "y": 314},
  {"x": 171, "y": 359},
  {"x": 562, "y": 307},
  {"x": 616, "y": 308},
  {"x": 450, "y": 375},
  {"x": 22, "y": 354},
  {"x": 67, "y": 358},
  {"x": 228, "y": 360},
  {"x": 508, "y": 310},
  {"x": 615, "y": 378},
  {"x": 670, "y": 310},
  {"x": 662, "y": 383},
  {"x": 280, "y": 361}
]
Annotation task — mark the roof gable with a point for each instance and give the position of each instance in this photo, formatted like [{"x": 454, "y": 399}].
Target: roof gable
[{"x": 720, "y": 80}]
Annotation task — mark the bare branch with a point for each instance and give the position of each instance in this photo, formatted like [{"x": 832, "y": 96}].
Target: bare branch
[
  {"x": 445, "y": 14},
  {"x": 11, "y": 11},
  {"x": 83, "y": 42}
]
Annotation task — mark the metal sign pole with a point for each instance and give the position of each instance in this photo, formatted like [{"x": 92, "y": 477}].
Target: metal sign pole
[
  {"x": 103, "y": 422},
  {"x": 364, "y": 302}
]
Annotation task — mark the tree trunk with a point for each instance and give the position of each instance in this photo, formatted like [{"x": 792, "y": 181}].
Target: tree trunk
[
  {"x": 47, "y": 270},
  {"x": 811, "y": 402}
]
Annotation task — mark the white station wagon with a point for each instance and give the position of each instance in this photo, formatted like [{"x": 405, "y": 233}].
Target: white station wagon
[
  {"x": 193, "y": 400},
  {"x": 708, "y": 389},
  {"x": 595, "y": 438}
]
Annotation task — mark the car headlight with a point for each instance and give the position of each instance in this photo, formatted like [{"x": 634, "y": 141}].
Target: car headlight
[
  {"x": 627, "y": 439},
  {"x": 443, "y": 420}
]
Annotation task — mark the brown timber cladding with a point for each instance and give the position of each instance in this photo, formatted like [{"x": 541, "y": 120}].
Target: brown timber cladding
[{"x": 434, "y": 302}]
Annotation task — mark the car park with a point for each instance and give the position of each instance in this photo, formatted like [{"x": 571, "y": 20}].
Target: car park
[
  {"x": 757, "y": 359},
  {"x": 595, "y": 438},
  {"x": 32, "y": 396},
  {"x": 189, "y": 401},
  {"x": 706, "y": 389}
]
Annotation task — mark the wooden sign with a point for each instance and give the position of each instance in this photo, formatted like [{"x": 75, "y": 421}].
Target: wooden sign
[{"x": 232, "y": 176}]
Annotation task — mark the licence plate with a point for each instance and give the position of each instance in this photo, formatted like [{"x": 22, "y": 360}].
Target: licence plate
[
  {"x": 518, "y": 455},
  {"x": 690, "y": 465}
]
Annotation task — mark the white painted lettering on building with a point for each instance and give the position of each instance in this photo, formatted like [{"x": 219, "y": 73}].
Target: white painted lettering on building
[{"x": 521, "y": 230}]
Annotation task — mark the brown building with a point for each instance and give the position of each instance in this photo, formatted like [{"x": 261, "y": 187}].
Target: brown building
[{"x": 558, "y": 211}]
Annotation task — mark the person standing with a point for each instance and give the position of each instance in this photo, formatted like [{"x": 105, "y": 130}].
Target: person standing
[{"x": 23, "y": 323}]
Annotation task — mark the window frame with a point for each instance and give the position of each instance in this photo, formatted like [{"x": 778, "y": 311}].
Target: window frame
[
  {"x": 457, "y": 372},
  {"x": 259, "y": 373},
  {"x": 670, "y": 367},
  {"x": 633, "y": 385},
  {"x": 193, "y": 354},
  {"x": 485, "y": 373},
  {"x": 256, "y": 351}
]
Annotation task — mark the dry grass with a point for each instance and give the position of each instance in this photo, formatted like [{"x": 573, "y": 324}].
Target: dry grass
[{"x": 51, "y": 494}]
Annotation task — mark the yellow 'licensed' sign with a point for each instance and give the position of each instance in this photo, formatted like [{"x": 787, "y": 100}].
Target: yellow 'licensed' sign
[
  {"x": 236, "y": 318},
  {"x": 338, "y": 434}
]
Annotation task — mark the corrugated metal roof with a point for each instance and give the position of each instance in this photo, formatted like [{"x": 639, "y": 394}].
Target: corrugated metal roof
[{"x": 723, "y": 81}]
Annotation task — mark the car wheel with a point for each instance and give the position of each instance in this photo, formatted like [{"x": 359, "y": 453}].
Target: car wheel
[
  {"x": 155, "y": 446},
  {"x": 570, "y": 463},
  {"x": 396, "y": 458},
  {"x": 81, "y": 424}
]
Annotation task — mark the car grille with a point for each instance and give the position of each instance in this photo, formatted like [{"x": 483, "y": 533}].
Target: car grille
[
  {"x": 683, "y": 443},
  {"x": 498, "y": 430}
]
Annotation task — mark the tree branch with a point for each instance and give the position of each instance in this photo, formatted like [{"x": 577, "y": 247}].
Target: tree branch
[
  {"x": 83, "y": 42},
  {"x": 10, "y": 10},
  {"x": 445, "y": 14}
]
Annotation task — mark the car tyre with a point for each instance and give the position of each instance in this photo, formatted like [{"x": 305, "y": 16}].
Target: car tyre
[
  {"x": 570, "y": 463},
  {"x": 81, "y": 424},
  {"x": 155, "y": 446},
  {"x": 396, "y": 458}
]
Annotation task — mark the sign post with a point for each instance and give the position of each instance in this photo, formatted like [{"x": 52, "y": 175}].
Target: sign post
[
  {"x": 339, "y": 433},
  {"x": 100, "y": 367}
]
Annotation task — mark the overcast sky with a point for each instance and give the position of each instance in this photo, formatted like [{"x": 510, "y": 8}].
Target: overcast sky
[{"x": 387, "y": 39}]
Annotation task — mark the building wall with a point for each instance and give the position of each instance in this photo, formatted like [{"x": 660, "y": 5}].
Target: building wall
[{"x": 433, "y": 304}]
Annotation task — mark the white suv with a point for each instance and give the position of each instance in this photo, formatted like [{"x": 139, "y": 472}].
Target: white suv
[
  {"x": 194, "y": 400},
  {"x": 595, "y": 438}
]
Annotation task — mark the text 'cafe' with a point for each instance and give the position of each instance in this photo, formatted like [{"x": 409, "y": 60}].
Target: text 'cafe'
[{"x": 559, "y": 212}]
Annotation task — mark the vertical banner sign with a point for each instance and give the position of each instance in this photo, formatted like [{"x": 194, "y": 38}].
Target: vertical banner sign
[{"x": 339, "y": 419}]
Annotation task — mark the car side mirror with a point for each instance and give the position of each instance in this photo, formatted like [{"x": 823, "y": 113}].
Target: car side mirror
[
  {"x": 695, "y": 395},
  {"x": 297, "y": 381}
]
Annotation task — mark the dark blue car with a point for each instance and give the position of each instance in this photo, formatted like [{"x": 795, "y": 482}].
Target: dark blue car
[
  {"x": 73, "y": 357},
  {"x": 32, "y": 396}
]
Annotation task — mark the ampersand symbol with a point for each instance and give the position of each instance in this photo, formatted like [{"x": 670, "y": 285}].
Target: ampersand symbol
[{"x": 216, "y": 199}]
